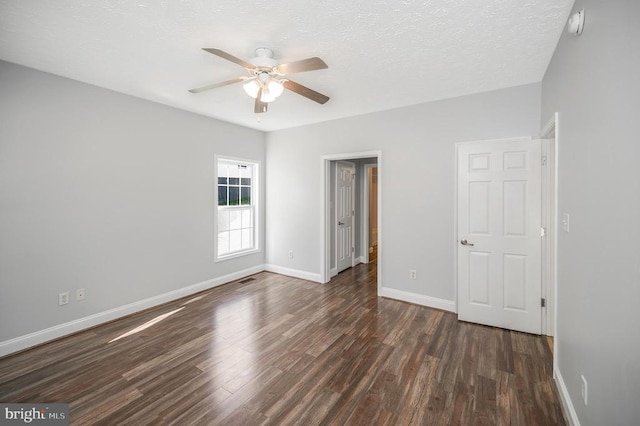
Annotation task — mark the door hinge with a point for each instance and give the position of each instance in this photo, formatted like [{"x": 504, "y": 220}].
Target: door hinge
[
  {"x": 544, "y": 160},
  {"x": 543, "y": 302},
  {"x": 543, "y": 231}
]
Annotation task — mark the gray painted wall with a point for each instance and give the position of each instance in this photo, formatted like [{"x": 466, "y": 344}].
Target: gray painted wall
[
  {"x": 105, "y": 192},
  {"x": 418, "y": 175},
  {"x": 592, "y": 81}
]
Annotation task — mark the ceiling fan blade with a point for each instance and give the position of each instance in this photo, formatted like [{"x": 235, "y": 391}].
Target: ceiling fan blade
[
  {"x": 309, "y": 64},
  {"x": 260, "y": 106},
  {"x": 220, "y": 84},
  {"x": 305, "y": 91},
  {"x": 228, "y": 57}
]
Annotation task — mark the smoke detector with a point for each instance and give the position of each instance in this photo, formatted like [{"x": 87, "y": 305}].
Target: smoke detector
[{"x": 576, "y": 23}]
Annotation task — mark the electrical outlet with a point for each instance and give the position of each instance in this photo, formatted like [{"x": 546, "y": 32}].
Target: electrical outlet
[
  {"x": 290, "y": 254},
  {"x": 63, "y": 298},
  {"x": 584, "y": 391},
  {"x": 413, "y": 274},
  {"x": 80, "y": 294}
]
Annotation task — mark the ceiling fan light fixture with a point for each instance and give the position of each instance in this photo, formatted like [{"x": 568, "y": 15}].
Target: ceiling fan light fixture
[
  {"x": 267, "y": 96},
  {"x": 252, "y": 88},
  {"x": 275, "y": 88},
  {"x": 271, "y": 89}
]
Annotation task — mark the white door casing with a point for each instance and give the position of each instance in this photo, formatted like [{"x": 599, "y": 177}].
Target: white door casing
[
  {"x": 498, "y": 232},
  {"x": 345, "y": 214}
]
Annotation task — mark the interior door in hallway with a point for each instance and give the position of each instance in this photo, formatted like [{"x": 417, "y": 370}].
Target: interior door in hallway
[
  {"x": 373, "y": 206},
  {"x": 499, "y": 234},
  {"x": 345, "y": 214}
]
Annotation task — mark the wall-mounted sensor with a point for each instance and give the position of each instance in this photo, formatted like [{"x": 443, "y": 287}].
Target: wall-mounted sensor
[{"x": 576, "y": 23}]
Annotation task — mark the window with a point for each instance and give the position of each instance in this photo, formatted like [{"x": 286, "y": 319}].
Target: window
[{"x": 237, "y": 191}]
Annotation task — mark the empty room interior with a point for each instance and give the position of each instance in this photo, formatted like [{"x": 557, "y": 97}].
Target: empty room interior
[{"x": 249, "y": 212}]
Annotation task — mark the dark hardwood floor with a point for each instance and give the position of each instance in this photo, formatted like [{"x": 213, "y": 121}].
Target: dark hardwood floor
[{"x": 279, "y": 350}]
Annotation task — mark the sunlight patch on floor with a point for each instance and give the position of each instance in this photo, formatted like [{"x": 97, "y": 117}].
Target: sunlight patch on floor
[{"x": 146, "y": 325}]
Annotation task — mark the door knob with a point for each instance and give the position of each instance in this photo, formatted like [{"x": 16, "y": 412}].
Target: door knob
[
  {"x": 340, "y": 223},
  {"x": 466, "y": 243}
]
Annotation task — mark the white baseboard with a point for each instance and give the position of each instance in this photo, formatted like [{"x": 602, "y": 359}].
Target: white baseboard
[
  {"x": 303, "y": 275},
  {"x": 333, "y": 272},
  {"x": 565, "y": 399},
  {"x": 418, "y": 299},
  {"x": 359, "y": 260},
  {"x": 23, "y": 342}
]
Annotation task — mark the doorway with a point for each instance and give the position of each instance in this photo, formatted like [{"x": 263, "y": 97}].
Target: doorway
[{"x": 328, "y": 211}]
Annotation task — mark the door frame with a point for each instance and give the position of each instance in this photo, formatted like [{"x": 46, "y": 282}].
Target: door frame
[
  {"x": 354, "y": 182},
  {"x": 550, "y": 245},
  {"x": 364, "y": 230},
  {"x": 549, "y": 205},
  {"x": 325, "y": 216}
]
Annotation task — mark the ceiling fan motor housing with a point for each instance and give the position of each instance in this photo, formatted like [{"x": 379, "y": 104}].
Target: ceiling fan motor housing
[{"x": 264, "y": 58}]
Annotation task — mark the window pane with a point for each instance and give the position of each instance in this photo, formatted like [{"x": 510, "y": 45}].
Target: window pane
[
  {"x": 245, "y": 198},
  {"x": 234, "y": 195},
  {"x": 234, "y": 181},
  {"x": 222, "y": 180},
  {"x": 247, "y": 238},
  {"x": 235, "y": 240},
  {"x": 247, "y": 214},
  {"x": 222, "y": 196},
  {"x": 246, "y": 173},
  {"x": 245, "y": 181},
  {"x": 223, "y": 243},
  {"x": 235, "y": 219},
  {"x": 233, "y": 170},
  {"x": 223, "y": 220},
  {"x": 223, "y": 170}
]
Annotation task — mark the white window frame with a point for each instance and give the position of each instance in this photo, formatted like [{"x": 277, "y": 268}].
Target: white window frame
[{"x": 255, "y": 207}]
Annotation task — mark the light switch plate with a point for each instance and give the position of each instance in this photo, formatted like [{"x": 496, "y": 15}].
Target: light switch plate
[
  {"x": 584, "y": 390},
  {"x": 565, "y": 222}
]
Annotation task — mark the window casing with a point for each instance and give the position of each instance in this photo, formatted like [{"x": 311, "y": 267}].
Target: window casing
[{"x": 237, "y": 207}]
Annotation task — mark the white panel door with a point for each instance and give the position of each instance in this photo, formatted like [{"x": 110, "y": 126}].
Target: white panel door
[
  {"x": 499, "y": 241},
  {"x": 345, "y": 212}
]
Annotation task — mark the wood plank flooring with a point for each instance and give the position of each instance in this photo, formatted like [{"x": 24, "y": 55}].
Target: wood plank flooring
[{"x": 278, "y": 350}]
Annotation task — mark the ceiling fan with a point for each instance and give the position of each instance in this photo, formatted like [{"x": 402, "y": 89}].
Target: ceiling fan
[{"x": 266, "y": 80}]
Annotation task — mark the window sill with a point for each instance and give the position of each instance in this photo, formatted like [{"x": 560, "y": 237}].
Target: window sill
[{"x": 236, "y": 255}]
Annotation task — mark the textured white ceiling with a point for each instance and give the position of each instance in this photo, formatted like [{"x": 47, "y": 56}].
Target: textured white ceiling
[{"x": 382, "y": 54}]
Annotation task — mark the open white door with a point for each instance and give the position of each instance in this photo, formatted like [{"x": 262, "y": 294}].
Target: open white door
[
  {"x": 499, "y": 240},
  {"x": 345, "y": 213}
]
